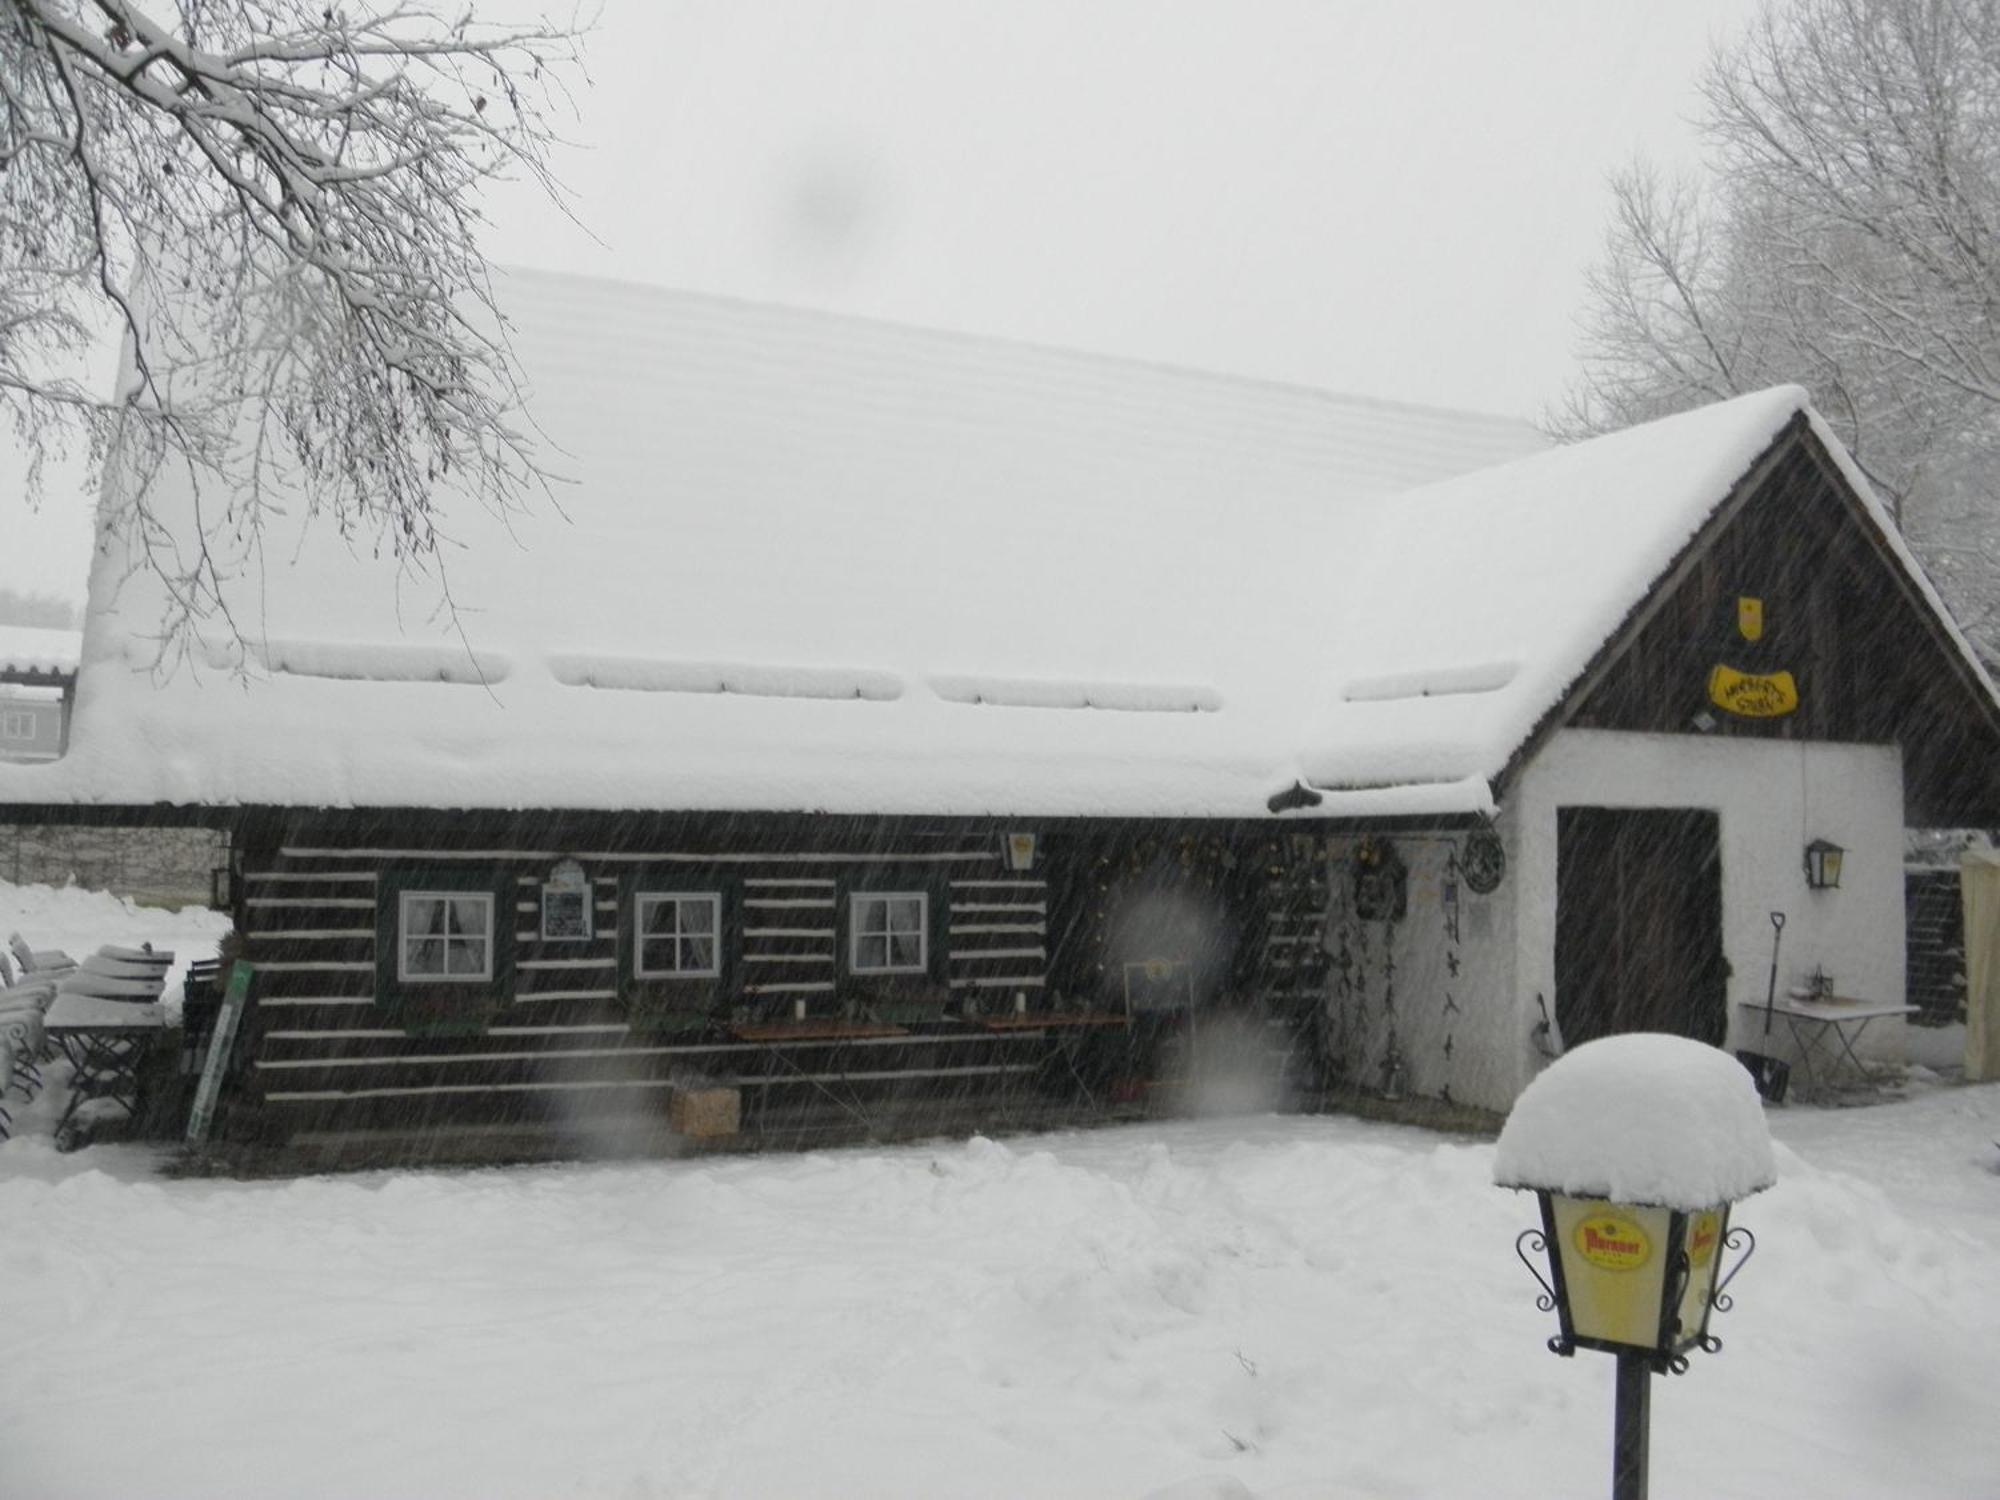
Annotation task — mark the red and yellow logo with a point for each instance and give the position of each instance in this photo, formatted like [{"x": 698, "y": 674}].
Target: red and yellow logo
[
  {"x": 1612, "y": 1242},
  {"x": 1701, "y": 1238}
]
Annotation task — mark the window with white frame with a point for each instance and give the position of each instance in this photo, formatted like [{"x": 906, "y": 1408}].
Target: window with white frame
[
  {"x": 888, "y": 932},
  {"x": 17, "y": 726},
  {"x": 679, "y": 935},
  {"x": 445, "y": 937}
]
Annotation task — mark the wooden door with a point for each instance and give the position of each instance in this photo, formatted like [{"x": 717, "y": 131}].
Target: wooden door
[{"x": 1639, "y": 923}]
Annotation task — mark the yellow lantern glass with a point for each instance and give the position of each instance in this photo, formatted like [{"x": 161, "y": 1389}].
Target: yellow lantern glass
[{"x": 1634, "y": 1276}]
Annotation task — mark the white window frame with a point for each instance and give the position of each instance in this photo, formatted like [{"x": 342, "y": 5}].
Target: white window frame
[
  {"x": 18, "y": 724},
  {"x": 856, "y": 931},
  {"x": 641, "y": 900},
  {"x": 404, "y": 937}
]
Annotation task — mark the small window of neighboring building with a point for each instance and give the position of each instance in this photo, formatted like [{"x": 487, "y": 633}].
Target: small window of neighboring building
[
  {"x": 17, "y": 726},
  {"x": 889, "y": 932},
  {"x": 678, "y": 936},
  {"x": 445, "y": 937}
]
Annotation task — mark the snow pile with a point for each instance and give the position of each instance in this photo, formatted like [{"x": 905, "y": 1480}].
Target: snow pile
[{"x": 1640, "y": 1118}]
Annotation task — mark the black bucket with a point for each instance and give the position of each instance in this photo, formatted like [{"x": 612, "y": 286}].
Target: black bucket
[{"x": 1772, "y": 1075}]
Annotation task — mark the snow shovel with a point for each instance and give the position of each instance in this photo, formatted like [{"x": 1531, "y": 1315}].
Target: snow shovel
[{"x": 1772, "y": 1075}]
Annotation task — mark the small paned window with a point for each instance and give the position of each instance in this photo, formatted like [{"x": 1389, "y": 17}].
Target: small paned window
[
  {"x": 679, "y": 935},
  {"x": 445, "y": 937},
  {"x": 889, "y": 933},
  {"x": 17, "y": 726}
]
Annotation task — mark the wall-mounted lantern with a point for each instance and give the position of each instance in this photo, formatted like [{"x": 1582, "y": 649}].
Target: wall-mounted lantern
[
  {"x": 1019, "y": 850},
  {"x": 1823, "y": 865},
  {"x": 1636, "y": 1146}
]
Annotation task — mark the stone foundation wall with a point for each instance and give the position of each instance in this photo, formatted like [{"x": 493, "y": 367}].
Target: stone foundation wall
[{"x": 157, "y": 866}]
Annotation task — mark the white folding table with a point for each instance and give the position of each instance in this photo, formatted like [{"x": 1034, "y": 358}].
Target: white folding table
[{"x": 1828, "y": 1029}]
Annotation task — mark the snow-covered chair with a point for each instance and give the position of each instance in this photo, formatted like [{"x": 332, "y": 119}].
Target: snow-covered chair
[
  {"x": 38, "y": 960},
  {"x": 156, "y": 958},
  {"x": 25, "y": 1035}
]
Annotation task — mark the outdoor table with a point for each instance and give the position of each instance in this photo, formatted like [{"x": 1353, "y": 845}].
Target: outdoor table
[
  {"x": 105, "y": 1041},
  {"x": 1828, "y": 1028}
]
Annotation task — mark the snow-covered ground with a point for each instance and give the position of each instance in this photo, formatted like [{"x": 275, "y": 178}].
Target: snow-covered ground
[{"x": 1306, "y": 1308}]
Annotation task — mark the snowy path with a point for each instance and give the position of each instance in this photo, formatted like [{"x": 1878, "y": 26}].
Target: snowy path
[{"x": 1306, "y": 1307}]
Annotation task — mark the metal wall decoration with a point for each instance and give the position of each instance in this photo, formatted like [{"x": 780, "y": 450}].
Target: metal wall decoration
[
  {"x": 1484, "y": 862},
  {"x": 1381, "y": 882},
  {"x": 1448, "y": 902}
]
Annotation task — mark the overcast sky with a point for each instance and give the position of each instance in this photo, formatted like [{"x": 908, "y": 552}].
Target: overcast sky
[{"x": 1390, "y": 197}]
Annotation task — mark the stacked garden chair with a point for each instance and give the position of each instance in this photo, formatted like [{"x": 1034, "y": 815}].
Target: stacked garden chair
[{"x": 27, "y": 987}]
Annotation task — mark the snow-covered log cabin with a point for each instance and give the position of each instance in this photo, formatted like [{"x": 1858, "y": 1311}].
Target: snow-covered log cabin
[{"x": 888, "y": 730}]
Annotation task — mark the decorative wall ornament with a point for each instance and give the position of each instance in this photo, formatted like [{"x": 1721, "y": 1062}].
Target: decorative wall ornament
[
  {"x": 1484, "y": 862},
  {"x": 1381, "y": 882}
]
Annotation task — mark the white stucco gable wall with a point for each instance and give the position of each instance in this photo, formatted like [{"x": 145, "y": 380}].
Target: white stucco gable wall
[{"x": 1772, "y": 797}]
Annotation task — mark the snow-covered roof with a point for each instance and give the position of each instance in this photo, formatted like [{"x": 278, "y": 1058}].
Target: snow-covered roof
[
  {"x": 1487, "y": 595},
  {"x": 26, "y": 649},
  {"x": 808, "y": 562}
]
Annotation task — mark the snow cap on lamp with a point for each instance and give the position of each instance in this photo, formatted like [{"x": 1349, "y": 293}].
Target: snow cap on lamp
[{"x": 1640, "y": 1118}]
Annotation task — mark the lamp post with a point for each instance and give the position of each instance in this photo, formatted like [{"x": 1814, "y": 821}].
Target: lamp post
[{"x": 1636, "y": 1147}]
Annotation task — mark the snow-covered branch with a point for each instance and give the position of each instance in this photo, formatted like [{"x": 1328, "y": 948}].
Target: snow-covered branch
[{"x": 277, "y": 204}]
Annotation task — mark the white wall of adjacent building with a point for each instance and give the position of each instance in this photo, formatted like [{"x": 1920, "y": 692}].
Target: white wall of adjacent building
[{"x": 1772, "y": 797}]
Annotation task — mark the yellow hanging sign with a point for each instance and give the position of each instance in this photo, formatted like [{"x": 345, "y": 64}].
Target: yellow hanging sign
[
  {"x": 1753, "y": 695},
  {"x": 1750, "y": 618}
]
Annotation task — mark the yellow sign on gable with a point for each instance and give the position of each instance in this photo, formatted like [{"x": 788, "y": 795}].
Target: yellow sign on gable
[
  {"x": 1750, "y": 618},
  {"x": 1753, "y": 695}
]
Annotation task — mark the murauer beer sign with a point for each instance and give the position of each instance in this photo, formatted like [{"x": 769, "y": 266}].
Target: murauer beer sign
[
  {"x": 1753, "y": 695},
  {"x": 1612, "y": 1242}
]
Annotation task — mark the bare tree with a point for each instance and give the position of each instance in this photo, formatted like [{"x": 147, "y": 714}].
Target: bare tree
[
  {"x": 277, "y": 205},
  {"x": 1847, "y": 237}
]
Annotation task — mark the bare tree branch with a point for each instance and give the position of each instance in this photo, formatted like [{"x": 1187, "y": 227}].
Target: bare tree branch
[
  {"x": 278, "y": 206},
  {"x": 1847, "y": 237}
]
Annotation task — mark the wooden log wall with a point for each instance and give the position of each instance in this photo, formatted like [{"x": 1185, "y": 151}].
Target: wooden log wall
[{"x": 327, "y": 1053}]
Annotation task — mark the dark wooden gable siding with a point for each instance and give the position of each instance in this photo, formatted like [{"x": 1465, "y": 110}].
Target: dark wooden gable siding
[{"x": 1839, "y": 614}]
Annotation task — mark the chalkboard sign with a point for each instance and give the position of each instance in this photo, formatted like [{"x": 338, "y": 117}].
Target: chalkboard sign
[{"x": 220, "y": 1044}]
